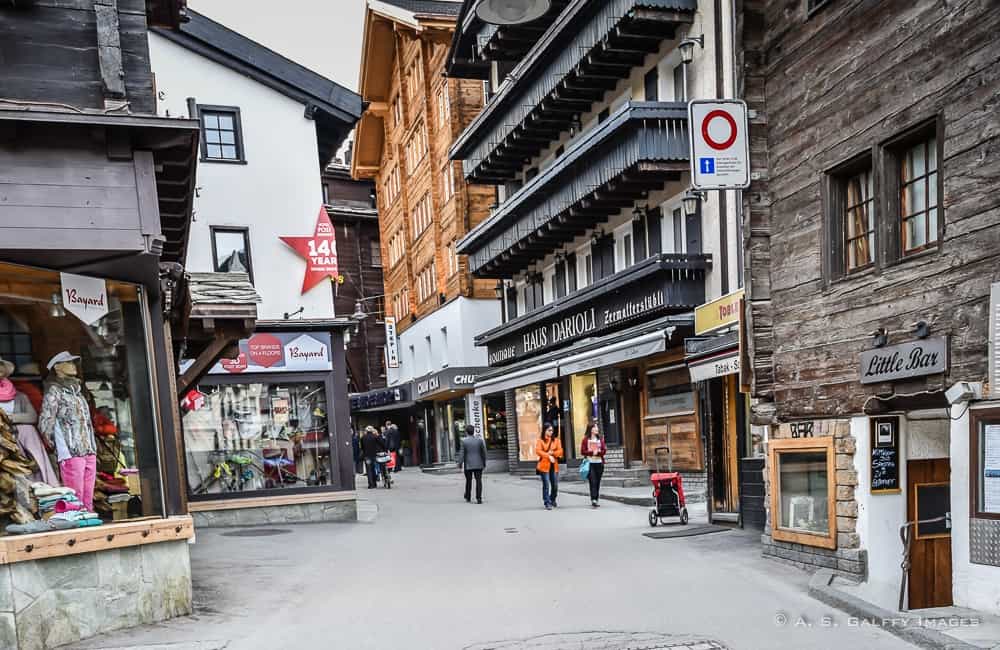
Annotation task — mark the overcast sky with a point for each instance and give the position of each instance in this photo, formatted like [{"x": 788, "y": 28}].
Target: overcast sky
[{"x": 324, "y": 35}]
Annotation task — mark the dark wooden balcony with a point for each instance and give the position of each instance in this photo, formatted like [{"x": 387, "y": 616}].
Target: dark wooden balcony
[
  {"x": 669, "y": 283},
  {"x": 586, "y": 52},
  {"x": 635, "y": 151}
]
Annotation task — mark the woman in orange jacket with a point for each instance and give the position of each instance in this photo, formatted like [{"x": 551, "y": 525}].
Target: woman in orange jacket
[{"x": 549, "y": 450}]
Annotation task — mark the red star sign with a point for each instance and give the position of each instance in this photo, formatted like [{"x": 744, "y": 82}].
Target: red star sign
[{"x": 319, "y": 251}]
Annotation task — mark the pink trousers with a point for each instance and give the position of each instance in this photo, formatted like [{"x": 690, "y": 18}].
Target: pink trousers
[{"x": 80, "y": 473}]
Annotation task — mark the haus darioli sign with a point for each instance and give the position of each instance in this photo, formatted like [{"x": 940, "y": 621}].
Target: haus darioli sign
[
  {"x": 912, "y": 359},
  {"x": 611, "y": 312}
]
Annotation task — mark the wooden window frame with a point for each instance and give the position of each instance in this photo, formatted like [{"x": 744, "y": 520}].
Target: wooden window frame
[
  {"x": 245, "y": 231},
  {"x": 890, "y": 170},
  {"x": 798, "y": 445},
  {"x": 977, "y": 419},
  {"x": 834, "y": 201},
  {"x": 241, "y": 157},
  {"x": 375, "y": 247}
]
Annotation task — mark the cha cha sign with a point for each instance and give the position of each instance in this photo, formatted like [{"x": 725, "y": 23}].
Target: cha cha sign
[{"x": 913, "y": 359}]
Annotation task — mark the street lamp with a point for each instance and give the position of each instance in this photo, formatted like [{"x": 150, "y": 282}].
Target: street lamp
[
  {"x": 359, "y": 312},
  {"x": 692, "y": 199},
  {"x": 687, "y": 47},
  {"x": 511, "y": 12}
]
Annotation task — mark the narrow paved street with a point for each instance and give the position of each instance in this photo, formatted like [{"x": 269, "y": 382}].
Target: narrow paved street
[{"x": 434, "y": 572}]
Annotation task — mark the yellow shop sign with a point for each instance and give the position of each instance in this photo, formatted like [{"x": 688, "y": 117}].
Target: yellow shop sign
[{"x": 717, "y": 314}]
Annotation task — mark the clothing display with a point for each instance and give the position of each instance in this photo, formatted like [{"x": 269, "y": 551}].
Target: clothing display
[
  {"x": 15, "y": 468},
  {"x": 79, "y": 473},
  {"x": 65, "y": 419}
]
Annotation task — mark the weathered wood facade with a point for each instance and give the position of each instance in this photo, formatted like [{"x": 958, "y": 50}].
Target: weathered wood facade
[
  {"x": 840, "y": 84},
  {"x": 413, "y": 107},
  {"x": 351, "y": 206}
]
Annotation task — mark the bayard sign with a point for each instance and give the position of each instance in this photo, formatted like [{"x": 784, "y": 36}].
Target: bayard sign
[{"x": 913, "y": 359}]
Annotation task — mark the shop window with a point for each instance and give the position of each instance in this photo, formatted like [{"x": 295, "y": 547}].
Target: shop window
[
  {"x": 99, "y": 402},
  {"x": 984, "y": 464},
  {"x": 583, "y": 406},
  {"x": 15, "y": 345},
  {"x": 528, "y": 402},
  {"x": 265, "y": 435},
  {"x": 802, "y": 476},
  {"x": 231, "y": 250},
  {"x": 495, "y": 414},
  {"x": 221, "y": 134}
]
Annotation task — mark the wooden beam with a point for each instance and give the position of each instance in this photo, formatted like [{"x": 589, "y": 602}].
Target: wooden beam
[
  {"x": 212, "y": 352},
  {"x": 109, "y": 48}
]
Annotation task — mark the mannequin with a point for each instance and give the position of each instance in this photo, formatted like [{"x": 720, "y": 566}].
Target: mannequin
[
  {"x": 65, "y": 422},
  {"x": 23, "y": 415}
]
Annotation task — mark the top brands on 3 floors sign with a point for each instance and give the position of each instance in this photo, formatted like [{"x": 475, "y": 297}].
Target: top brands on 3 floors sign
[{"x": 911, "y": 359}]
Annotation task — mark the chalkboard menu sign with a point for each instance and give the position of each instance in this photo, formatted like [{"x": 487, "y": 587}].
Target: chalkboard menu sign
[
  {"x": 933, "y": 501},
  {"x": 885, "y": 455}
]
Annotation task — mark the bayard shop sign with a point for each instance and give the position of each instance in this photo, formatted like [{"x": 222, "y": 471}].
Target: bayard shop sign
[
  {"x": 913, "y": 359},
  {"x": 618, "y": 310}
]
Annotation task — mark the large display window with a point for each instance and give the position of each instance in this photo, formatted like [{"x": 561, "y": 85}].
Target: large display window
[
  {"x": 496, "y": 422},
  {"x": 583, "y": 407},
  {"x": 528, "y": 402},
  {"x": 78, "y": 438},
  {"x": 802, "y": 477},
  {"x": 266, "y": 434}
]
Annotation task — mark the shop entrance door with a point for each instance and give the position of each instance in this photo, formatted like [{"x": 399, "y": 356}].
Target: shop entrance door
[
  {"x": 928, "y": 493},
  {"x": 723, "y": 393},
  {"x": 632, "y": 425}
]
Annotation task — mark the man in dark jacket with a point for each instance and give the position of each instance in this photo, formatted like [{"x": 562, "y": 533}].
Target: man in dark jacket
[
  {"x": 472, "y": 458},
  {"x": 371, "y": 446},
  {"x": 394, "y": 439}
]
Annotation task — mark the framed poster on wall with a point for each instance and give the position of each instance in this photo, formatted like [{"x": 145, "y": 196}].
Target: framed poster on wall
[{"x": 884, "y": 457}]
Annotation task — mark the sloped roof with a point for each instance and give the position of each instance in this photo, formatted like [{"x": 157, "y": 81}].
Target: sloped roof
[
  {"x": 214, "y": 290},
  {"x": 427, "y": 7}
]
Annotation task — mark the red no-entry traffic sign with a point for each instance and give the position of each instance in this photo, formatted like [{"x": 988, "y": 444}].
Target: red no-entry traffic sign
[{"x": 720, "y": 150}]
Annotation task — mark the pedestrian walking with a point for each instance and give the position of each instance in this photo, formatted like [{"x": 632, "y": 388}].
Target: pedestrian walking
[
  {"x": 359, "y": 459},
  {"x": 549, "y": 450},
  {"x": 394, "y": 441},
  {"x": 372, "y": 444},
  {"x": 472, "y": 459},
  {"x": 593, "y": 449}
]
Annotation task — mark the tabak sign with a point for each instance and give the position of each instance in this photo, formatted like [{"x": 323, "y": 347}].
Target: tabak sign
[
  {"x": 614, "y": 311},
  {"x": 319, "y": 252},
  {"x": 84, "y": 297},
  {"x": 279, "y": 352}
]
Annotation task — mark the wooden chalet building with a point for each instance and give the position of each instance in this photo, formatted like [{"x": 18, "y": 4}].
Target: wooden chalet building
[
  {"x": 94, "y": 223},
  {"x": 433, "y": 306},
  {"x": 873, "y": 287},
  {"x": 351, "y": 206},
  {"x": 585, "y": 133}
]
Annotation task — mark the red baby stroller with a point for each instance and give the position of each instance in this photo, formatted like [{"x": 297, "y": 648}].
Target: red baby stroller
[{"x": 668, "y": 491}]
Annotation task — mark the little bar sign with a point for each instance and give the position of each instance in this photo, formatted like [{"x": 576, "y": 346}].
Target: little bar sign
[{"x": 913, "y": 359}]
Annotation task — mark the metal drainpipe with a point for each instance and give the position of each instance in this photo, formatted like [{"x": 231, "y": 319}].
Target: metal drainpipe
[{"x": 720, "y": 92}]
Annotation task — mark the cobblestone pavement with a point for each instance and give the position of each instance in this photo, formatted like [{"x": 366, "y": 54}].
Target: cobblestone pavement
[{"x": 424, "y": 570}]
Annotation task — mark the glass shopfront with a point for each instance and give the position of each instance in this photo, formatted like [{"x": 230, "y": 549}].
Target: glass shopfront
[
  {"x": 266, "y": 435},
  {"x": 583, "y": 407},
  {"x": 451, "y": 427},
  {"x": 75, "y": 389},
  {"x": 528, "y": 402},
  {"x": 495, "y": 431}
]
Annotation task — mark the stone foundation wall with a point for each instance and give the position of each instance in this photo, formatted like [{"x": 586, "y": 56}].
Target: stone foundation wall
[
  {"x": 287, "y": 514},
  {"x": 55, "y": 601},
  {"x": 848, "y": 558}
]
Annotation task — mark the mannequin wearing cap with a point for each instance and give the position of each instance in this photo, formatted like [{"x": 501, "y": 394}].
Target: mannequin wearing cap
[
  {"x": 22, "y": 414},
  {"x": 65, "y": 421}
]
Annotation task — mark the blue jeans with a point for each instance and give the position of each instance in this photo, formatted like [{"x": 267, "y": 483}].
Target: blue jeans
[{"x": 550, "y": 487}]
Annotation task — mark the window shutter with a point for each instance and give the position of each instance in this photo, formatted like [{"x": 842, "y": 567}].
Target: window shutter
[
  {"x": 693, "y": 227},
  {"x": 571, "y": 271},
  {"x": 653, "y": 224},
  {"x": 652, "y": 82},
  {"x": 639, "y": 239},
  {"x": 559, "y": 281}
]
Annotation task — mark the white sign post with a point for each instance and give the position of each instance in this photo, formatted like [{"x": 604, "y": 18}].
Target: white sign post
[
  {"x": 391, "y": 346},
  {"x": 720, "y": 144}
]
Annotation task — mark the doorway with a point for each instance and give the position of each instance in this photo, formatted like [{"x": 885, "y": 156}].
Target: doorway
[
  {"x": 723, "y": 397},
  {"x": 928, "y": 494},
  {"x": 632, "y": 420}
]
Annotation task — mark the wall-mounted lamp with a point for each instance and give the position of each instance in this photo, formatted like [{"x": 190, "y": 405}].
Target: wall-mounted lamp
[
  {"x": 639, "y": 213},
  {"x": 575, "y": 125},
  {"x": 881, "y": 337},
  {"x": 56, "y": 310},
  {"x": 686, "y": 47},
  {"x": 596, "y": 238},
  {"x": 692, "y": 200},
  {"x": 511, "y": 12},
  {"x": 921, "y": 329}
]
